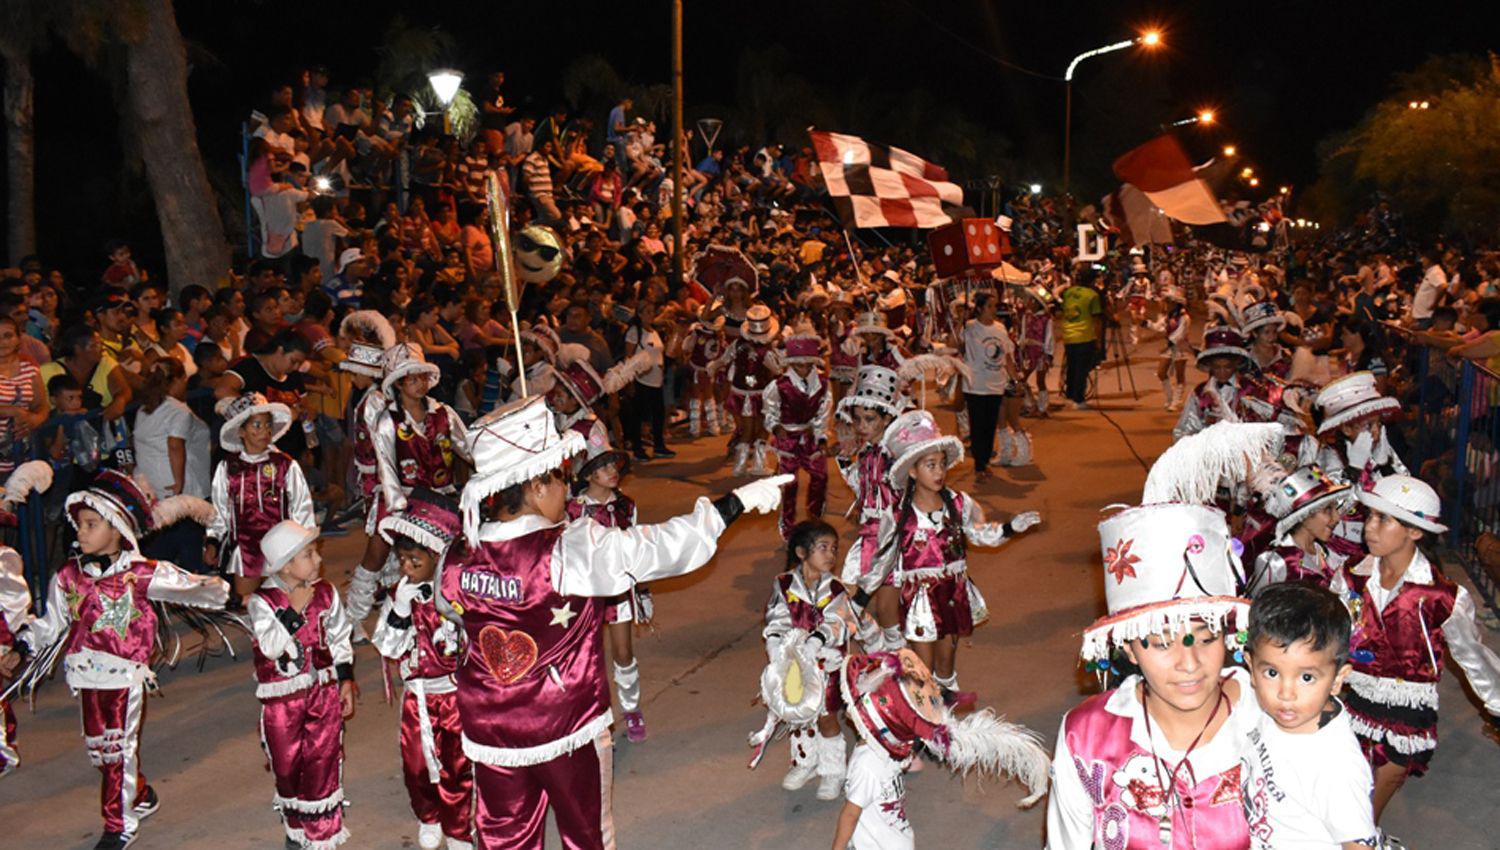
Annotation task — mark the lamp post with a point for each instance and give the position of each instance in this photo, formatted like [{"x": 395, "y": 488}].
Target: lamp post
[
  {"x": 1148, "y": 39},
  {"x": 1204, "y": 117},
  {"x": 678, "y": 142}
]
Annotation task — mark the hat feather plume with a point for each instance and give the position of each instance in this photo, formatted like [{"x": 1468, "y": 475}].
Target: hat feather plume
[
  {"x": 638, "y": 364},
  {"x": 986, "y": 743},
  {"x": 941, "y": 364},
  {"x": 33, "y": 476},
  {"x": 175, "y": 509},
  {"x": 370, "y": 327},
  {"x": 1223, "y": 454}
]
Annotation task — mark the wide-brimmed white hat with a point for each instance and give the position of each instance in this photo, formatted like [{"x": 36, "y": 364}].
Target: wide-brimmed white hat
[
  {"x": 1259, "y": 315},
  {"x": 1223, "y": 341},
  {"x": 240, "y": 409},
  {"x": 406, "y": 358},
  {"x": 510, "y": 445},
  {"x": 363, "y": 360},
  {"x": 282, "y": 543},
  {"x": 871, "y": 322},
  {"x": 760, "y": 324},
  {"x": 877, "y": 388},
  {"x": 1350, "y": 399},
  {"x": 1411, "y": 500},
  {"x": 1302, "y": 493},
  {"x": 544, "y": 338},
  {"x": 913, "y": 435}
]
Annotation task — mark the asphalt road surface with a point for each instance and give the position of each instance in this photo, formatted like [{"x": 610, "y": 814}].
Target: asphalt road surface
[{"x": 687, "y": 787}]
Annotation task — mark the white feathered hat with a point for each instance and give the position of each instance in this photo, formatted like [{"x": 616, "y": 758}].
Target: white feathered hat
[
  {"x": 913, "y": 435},
  {"x": 240, "y": 409},
  {"x": 369, "y": 334},
  {"x": 512, "y": 444}
]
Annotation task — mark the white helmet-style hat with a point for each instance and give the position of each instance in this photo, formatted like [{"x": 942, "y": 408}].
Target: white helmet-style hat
[
  {"x": 1411, "y": 500},
  {"x": 404, "y": 359}
]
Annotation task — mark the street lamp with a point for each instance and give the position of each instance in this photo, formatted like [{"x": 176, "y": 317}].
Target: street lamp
[
  {"x": 1254, "y": 181},
  {"x": 1149, "y": 39},
  {"x": 1205, "y": 116},
  {"x": 1036, "y": 188},
  {"x": 1286, "y": 190},
  {"x": 1419, "y": 104},
  {"x": 445, "y": 83},
  {"x": 1229, "y": 150}
]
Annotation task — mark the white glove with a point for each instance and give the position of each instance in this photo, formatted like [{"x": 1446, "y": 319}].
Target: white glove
[
  {"x": 1022, "y": 521},
  {"x": 764, "y": 495},
  {"x": 1381, "y": 453},
  {"x": 407, "y": 591},
  {"x": 1359, "y": 453}
]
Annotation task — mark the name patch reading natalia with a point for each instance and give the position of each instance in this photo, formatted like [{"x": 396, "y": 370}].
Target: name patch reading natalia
[{"x": 492, "y": 586}]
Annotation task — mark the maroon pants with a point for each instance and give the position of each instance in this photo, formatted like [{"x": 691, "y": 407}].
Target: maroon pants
[
  {"x": 799, "y": 451},
  {"x": 303, "y": 736},
  {"x": 112, "y": 733},
  {"x": 513, "y": 801},
  {"x": 444, "y": 799}
]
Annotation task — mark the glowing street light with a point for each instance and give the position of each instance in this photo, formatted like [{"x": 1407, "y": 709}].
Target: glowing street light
[
  {"x": 1150, "y": 39},
  {"x": 1036, "y": 188},
  {"x": 445, "y": 83},
  {"x": 1419, "y": 104},
  {"x": 1229, "y": 150},
  {"x": 1206, "y": 116},
  {"x": 1285, "y": 190},
  {"x": 1247, "y": 172},
  {"x": 1254, "y": 181}
]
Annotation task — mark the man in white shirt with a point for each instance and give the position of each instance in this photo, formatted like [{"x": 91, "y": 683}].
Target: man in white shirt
[{"x": 1434, "y": 282}]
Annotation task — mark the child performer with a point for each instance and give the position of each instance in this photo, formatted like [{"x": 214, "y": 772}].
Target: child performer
[
  {"x": 796, "y": 407},
  {"x": 1261, "y": 323},
  {"x": 101, "y": 618},
  {"x": 843, "y": 365},
  {"x": 869, "y": 567},
  {"x": 304, "y": 673},
  {"x": 934, "y": 526},
  {"x": 531, "y": 695},
  {"x": 1175, "y": 324},
  {"x": 751, "y": 368},
  {"x": 539, "y": 345},
  {"x": 1306, "y": 783},
  {"x": 809, "y": 620},
  {"x": 1407, "y": 617},
  {"x": 895, "y": 704},
  {"x": 1307, "y": 505},
  {"x": 702, "y": 346},
  {"x": 255, "y": 487},
  {"x": 876, "y": 342},
  {"x": 418, "y": 439},
  {"x": 598, "y": 497},
  {"x": 1035, "y": 344},
  {"x": 369, "y": 336},
  {"x": 412, "y": 633},
  {"x": 1355, "y": 449},
  {"x": 1219, "y": 398},
  {"x": 15, "y": 611}
]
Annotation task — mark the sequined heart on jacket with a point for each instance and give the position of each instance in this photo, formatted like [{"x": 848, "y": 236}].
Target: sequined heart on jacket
[{"x": 509, "y": 655}]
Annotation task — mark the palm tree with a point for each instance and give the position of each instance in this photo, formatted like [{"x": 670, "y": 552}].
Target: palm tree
[
  {"x": 138, "y": 46},
  {"x": 20, "y": 31}
]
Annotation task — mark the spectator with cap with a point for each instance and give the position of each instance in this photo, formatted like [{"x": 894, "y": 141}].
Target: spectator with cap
[{"x": 347, "y": 286}]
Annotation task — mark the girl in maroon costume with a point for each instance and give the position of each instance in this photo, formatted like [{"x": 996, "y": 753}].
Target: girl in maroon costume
[
  {"x": 599, "y": 498},
  {"x": 100, "y": 608},
  {"x": 304, "y": 674},
  {"x": 255, "y": 487},
  {"x": 751, "y": 366},
  {"x": 369, "y": 336},
  {"x": 411, "y": 632},
  {"x": 796, "y": 408}
]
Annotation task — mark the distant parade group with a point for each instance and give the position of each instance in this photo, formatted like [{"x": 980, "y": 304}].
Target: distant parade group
[{"x": 1275, "y": 632}]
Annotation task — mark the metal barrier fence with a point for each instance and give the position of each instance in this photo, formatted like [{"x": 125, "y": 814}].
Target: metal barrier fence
[{"x": 1452, "y": 441}]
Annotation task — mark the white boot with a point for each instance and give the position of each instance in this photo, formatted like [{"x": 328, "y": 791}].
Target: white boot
[
  {"x": 1042, "y": 402},
  {"x": 1181, "y": 396},
  {"x": 459, "y": 844},
  {"x": 892, "y": 639},
  {"x": 1021, "y": 454},
  {"x": 741, "y": 458},
  {"x": 695, "y": 424},
  {"x": 831, "y": 764},
  {"x": 430, "y": 836},
  {"x": 711, "y": 417},
  {"x": 804, "y": 759},
  {"x": 360, "y": 597},
  {"x": 1166, "y": 392},
  {"x": 1007, "y": 448},
  {"x": 761, "y": 451}
]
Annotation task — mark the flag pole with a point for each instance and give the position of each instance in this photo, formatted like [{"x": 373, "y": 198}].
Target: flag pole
[{"x": 499, "y": 207}]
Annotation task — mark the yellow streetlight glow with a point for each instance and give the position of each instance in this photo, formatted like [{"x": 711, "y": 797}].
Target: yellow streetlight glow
[
  {"x": 1229, "y": 150},
  {"x": 1425, "y": 104},
  {"x": 1286, "y": 190},
  {"x": 1151, "y": 38},
  {"x": 1254, "y": 181},
  {"x": 1206, "y": 116},
  {"x": 1247, "y": 171}
]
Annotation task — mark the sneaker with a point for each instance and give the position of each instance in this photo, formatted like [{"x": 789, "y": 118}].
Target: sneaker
[
  {"x": 663, "y": 451},
  {"x": 115, "y": 841},
  {"x": 830, "y": 786},
  {"x": 635, "y": 727},
  {"x": 430, "y": 836},
  {"x": 146, "y": 803},
  {"x": 800, "y": 775}
]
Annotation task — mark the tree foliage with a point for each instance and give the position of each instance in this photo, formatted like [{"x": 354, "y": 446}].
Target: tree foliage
[{"x": 1440, "y": 164}]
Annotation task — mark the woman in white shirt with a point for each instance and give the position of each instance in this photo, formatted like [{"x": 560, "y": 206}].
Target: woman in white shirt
[
  {"x": 988, "y": 352},
  {"x": 172, "y": 453}
]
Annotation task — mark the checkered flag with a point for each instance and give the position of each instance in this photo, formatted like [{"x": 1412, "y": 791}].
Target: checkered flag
[{"x": 878, "y": 186}]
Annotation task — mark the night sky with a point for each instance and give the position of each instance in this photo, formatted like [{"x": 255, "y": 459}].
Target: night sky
[{"x": 1281, "y": 75}]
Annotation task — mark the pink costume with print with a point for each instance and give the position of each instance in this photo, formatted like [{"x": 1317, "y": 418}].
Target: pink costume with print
[
  {"x": 825, "y": 611},
  {"x": 297, "y": 675},
  {"x": 843, "y": 366},
  {"x": 415, "y": 454},
  {"x": 1036, "y": 340},
  {"x": 1123, "y": 781},
  {"x": 437, "y": 773},
  {"x": 532, "y": 695},
  {"x": 867, "y": 566},
  {"x": 10, "y": 757},
  {"x": 103, "y": 612},
  {"x": 704, "y": 345},
  {"x": 251, "y": 493},
  {"x": 800, "y": 408}
]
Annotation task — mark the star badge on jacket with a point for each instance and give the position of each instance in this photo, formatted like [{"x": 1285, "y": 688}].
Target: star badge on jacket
[
  {"x": 562, "y": 616},
  {"x": 116, "y": 613}
]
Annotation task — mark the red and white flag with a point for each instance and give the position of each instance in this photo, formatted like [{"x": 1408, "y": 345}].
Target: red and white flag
[
  {"x": 1161, "y": 170},
  {"x": 879, "y": 186},
  {"x": 1138, "y": 221}
]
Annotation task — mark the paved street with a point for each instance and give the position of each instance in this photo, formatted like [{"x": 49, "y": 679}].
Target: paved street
[{"x": 688, "y": 787}]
